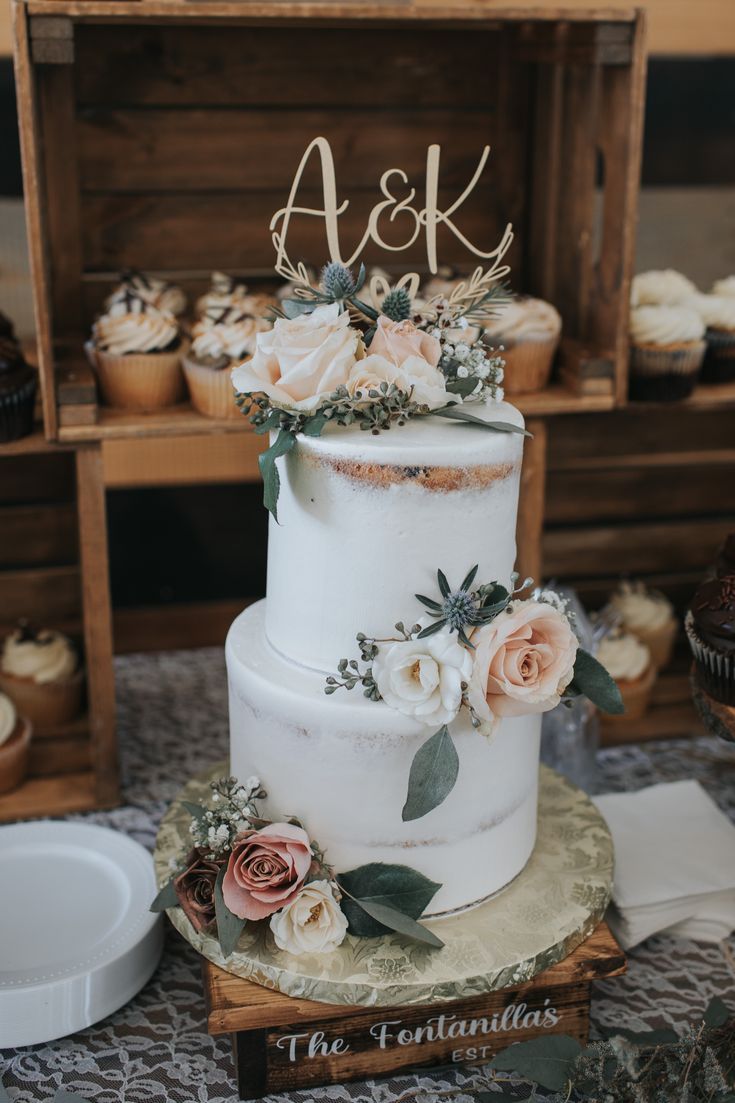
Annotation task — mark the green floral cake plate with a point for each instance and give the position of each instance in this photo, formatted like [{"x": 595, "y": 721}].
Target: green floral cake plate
[{"x": 540, "y": 918}]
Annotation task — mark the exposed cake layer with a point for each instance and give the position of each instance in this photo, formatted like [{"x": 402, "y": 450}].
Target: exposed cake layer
[
  {"x": 341, "y": 764},
  {"x": 365, "y": 521}
]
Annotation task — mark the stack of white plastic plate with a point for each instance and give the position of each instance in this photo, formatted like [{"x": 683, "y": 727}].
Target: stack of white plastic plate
[{"x": 77, "y": 939}]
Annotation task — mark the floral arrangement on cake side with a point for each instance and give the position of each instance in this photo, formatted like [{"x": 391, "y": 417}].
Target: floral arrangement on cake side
[
  {"x": 243, "y": 869},
  {"x": 332, "y": 357},
  {"x": 482, "y": 649}
]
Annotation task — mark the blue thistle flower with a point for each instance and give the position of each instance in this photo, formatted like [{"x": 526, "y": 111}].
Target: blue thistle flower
[
  {"x": 463, "y": 608},
  {"x": 397, "y": 305},
  {"x": 337, "y": 281}
]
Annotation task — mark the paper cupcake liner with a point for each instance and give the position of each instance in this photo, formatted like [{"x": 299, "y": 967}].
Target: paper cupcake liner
[
  {"x": 211, "y": 390},
  {"x": 719, "y": 360},
  {"x": 14, "y": 756},
  {"x": 527, "y": 364},
  {"x": 715, "y": 670},
  {"x": 48, "y": 704},
  {"x": 141, "y": 380},
  {"x": 636, "y": 697},
  {"x": 16, "y": 412},
  {"x": 664, "y": 373}
]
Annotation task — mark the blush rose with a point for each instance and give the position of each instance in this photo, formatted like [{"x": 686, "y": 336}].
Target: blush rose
[
  {"x": 266, "y": 870},
  {"x": 415, "y": 376},
  {"x": 397, "y": 341}
]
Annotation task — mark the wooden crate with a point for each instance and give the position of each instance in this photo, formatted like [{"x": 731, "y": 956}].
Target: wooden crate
[
  {"x": 53, "y": 569},
  {"x": 164, "y": 135}
]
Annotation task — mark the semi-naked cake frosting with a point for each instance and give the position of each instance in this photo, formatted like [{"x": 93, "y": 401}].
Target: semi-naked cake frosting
[{"x": 363, "y": 523}]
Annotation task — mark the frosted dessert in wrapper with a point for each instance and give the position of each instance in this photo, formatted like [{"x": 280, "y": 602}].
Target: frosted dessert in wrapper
[
  {"x": 528, "y": 331},
  {"x": 724, "y": 286},
  {"x": 648, "y": 615},
  {"x": 710, "y": 629},
  {"x": 40, "y": 673},
  {"x": 15, "y": 739},
  {"x": 718, "y": 314},
  {"x": 225, "y": 292},
  {"x": 156, "y": 292},
  {"x": 667, "y": 347},
  {"x": 223, "y": 338},
  {"x": 660, "y": 287},
  {"x": 628, "y": 661},
  {"x": 18, "y": 385}
]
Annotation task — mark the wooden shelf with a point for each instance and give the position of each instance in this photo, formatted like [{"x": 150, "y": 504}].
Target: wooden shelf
[
  {"x": 707, "y": 396},
  {"x": 74, "y": 792},
  {"x": 671, "y": 713}
]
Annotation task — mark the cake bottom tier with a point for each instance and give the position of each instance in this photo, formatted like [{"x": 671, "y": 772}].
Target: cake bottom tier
[{"x": 341, "y": 763}]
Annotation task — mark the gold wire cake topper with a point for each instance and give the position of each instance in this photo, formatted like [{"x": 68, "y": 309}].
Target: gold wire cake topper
[{"x": 427, "y": 218}]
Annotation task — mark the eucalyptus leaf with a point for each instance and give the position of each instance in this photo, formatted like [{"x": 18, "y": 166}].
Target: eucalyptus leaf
[
  {"x": 456, "y": 413},
  {"x": 431, "y": 629},
  {"x": 166, "y": 898},
  {"x": 462, "y": 387},
  {"x": 271, "y": 422},
  {"x": 717, "y": 1013},
  {"x": 443, "y": 584},
  {"x": 368, "y": 311},
  {"x": 196, "y": 811},
  {"x": 314, "y": 427},
  {"x": 470, "y": 577},
  {"x": 284, "y": 443},
  {"x": 294, "y": 308},
  {"x": 433, "y": 775},
  {"x": 391, "y": 886},
  {"x": 229, "y": 926},
  {"x": 390, "y": 919},
  {"x": 591, "y": 679},
  {"x": 429, "y": 603},
  {"x": 548, "y": 1061}
]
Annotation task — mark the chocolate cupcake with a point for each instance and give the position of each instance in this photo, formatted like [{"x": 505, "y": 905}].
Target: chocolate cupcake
[
  {"x": 18, "y": 384},
  {"x": 710, "y": 628},
  {"x": 725, "y": 562}
]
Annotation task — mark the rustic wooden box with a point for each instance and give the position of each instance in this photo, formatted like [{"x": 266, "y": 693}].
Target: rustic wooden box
[{"x": 164, "y": 133}]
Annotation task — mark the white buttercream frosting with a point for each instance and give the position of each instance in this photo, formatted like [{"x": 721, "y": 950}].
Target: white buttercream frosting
[
  {"x": 47, "y": 657},
  {"x": 716, "y": 311},
  {"x": 660, "y": 286},
  {"x": 132, "y": 326},
  {"x": 226, "y": 292},
  {"x": 156, "y": 292},
  {"x": 8, "y": 718},
  {"x": 641, "y": 609},
  {"x": 724, "y": 286},
  {"x": 524, "y": 319},
  {"x": 665, "y": 325},
  {"x": 227, "y": 333},
  {"x": 624, "y": 656}
]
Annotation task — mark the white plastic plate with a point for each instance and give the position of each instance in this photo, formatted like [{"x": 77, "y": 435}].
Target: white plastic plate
[{"x": 77, "y": 939}]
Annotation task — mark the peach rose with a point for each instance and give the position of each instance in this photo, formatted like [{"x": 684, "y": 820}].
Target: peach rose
[
  {"x": 266, "y": 870},
  {"x": 524, "y": 659},
  {"x": 416, "y": 377},
  {"x": 301, "y": 360},
  {"x": 397, "y": 341}
]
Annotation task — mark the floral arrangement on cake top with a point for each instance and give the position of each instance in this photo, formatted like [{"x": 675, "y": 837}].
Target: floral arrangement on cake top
[
  {"x": 481, "y": 649},
  {"x": 333, "y": 357},
  {"x": 243, "y": 869}
]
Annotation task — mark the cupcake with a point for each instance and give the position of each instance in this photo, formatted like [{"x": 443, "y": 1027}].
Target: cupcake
[
  {"x": 710, "y": 629},
  {"x": 660, "y": 287},
  {"x": 157, "y": 293},
  {"x": 628, "y": 661},
  {"x": 648, "y": 615},
  {"x": 725, "y": 562},
  {"x": 219, "y": 341},
  {"x": 18, "y": 384},
  {"x": 226, "y": 293},
  {"x": 15, "y": 741},
  {"x": 41, "y": 674},
  {"x": 526, "y": 332},
  {"x": 136, "y": 352},
  {"x": 667, "y": 347},
  {"x": 718, "y": 314},
  {"x": 724, "y": 287}
]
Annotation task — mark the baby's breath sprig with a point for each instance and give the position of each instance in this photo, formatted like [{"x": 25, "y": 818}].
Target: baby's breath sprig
[{"x": 233, "y": 808}]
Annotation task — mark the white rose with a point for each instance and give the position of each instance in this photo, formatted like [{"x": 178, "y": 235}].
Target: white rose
[
  {"x": 313, "y": 923},
  {"x": 301, "y": 360},
  {"x": 415, "y": 376},
  {"x": 423, "y": 678}
]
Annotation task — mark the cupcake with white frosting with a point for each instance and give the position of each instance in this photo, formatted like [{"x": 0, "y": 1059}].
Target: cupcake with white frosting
[
  {"x": 223, "y": 338},
  {"x": 628, "y": 661},
  {"x": 667, "y": 348},
  {"x": 41, "y": 674},
  {"x": 660, "y": 287},
  {"x": 725, "y": 286},
  {"x": 528, "y": 332},
  {"x": 718, "y": 314},
  {"x": 136, "y": 352},
  {"x": 15, "y": 741},
  {"x": 156, "y": 292},
  {"x": 226, "y": 292},
  {"x": 649, "y": 616}
]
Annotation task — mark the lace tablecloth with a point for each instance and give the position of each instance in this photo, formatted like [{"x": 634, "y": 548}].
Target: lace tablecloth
[{"x": 172, "y": 711}]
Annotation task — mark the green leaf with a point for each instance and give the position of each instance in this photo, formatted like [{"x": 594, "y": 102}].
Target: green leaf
[
  {"x": 271, "y": 422},
  {"x": 462, "y": 387},
  {"x": 283, "y": 444},
  {"x": 443, "y": 584},
  {"x": 591, "y": 679},
  {"x": 717, "y": 1013},
  {"x": 429, "y": 602},
  {"x": 294, "y": 308},
  {"x": 229, "y": 926},
  {"x": 361, "y": 274},
  {"x": 431, "y": 629},
  {"x": 470, "y": 577},
  {"x": 379, "y": 886},
  {"x": 456, "y": 413},
  {"x": 314, "y": 427},
  {"x": 547, "y": 1061},
  {"x": 433, "y": 775},
  {"x": 166, "y": 898},
  {"x": 393, "y": 920},
  {"x": 196, "y": 811},
  {"x": 368, "y": 311}
]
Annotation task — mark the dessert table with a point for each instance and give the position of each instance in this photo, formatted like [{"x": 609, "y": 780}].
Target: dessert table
[{"x": 172, "y": 723}]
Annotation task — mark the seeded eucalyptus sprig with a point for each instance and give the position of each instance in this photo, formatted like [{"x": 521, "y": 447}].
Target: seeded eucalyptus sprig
[
  {"x": 349, "y": 673},
  {"x": 463, "y": 608}
]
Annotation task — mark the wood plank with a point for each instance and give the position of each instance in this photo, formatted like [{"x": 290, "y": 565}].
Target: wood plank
[
  {"x": 32, "y": 535},
  {"x": 169, "y": 627},
  {"x": 186, "y": 460},
  {"x": 530, "y": 522},
  {"x": 48, "y": 594},
  {"x": 35, "y": 476},
  {"x": 679, "y": 721},
  {"x": 50, "y": 796},
  {"x": 541, "y": 245},
  {"x": 83, "y": 413},
  {"x": 69, "y": 755}
]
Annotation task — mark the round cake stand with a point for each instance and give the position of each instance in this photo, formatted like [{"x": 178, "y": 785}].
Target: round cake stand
[{"x": 540, "y": 918}]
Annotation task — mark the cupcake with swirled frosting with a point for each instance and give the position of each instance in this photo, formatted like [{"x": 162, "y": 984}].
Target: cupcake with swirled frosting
[
  {"x": 221, "y": 339},
  {"x": 667, "y": 348},
  {"x": 226, "y": 292},
  {"x": 649, "y": 616},
  {"x": 15, "y": 739},
  {"x": 156, "y": 292},
  {"x": 718, "y": 314},
  {"x": 628, "y": 661},
  {"x": 136, "y": 352},
  {"x": 660, "y": 287},
  {"x": 725, "y": 286},
  {"x": 526, "y": 332},
  {"x": 41, "y": 674}
]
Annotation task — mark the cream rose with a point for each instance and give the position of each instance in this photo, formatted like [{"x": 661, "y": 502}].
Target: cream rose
[
  {"x": 398, "y": 341},
  {"x": 524, "y": 659},
  {"x": 424, "y": 678},
  {"x": 301, "y": 360},
  {"x": 415, "y": 376},
  {"x": 313, "y": 923}
]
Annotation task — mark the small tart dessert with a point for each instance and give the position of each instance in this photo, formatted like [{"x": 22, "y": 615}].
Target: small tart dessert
[
  {"x": 718, "y": 314},
  {"x": 136, "y": 352},
  {"x": 15, "y": 741},
  {"x": 41, "y": 674},
  {"x": 710, "y": 629},
  {"x": 660, "y": 287},
  {"x": 18, "y": 384},
  {"x": 220, "y": 340},
  {"x": 648, "y": 615},
  {"x": 156, "y": 292},
  {"x": 526, "y": 332},
  {"x": 225, "y": 293},
  {"x": 628, "y": 661},
  {"x": 667, "y": 348}
]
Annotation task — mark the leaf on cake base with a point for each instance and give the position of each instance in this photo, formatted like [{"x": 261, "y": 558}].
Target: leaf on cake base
[
  {"x": 380, "y": 898},
  {"x": 166, "y": 898},
  {"x": 229, "y": 926},
  {"x": 433, "y": 775}
]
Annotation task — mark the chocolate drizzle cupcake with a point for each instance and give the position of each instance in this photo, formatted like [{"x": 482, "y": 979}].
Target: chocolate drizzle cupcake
[
  {"x": 17, "y": 391},
  {"x": 710, "y": 628}
]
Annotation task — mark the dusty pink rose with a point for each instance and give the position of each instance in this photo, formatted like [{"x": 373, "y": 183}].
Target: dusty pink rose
[
  {"x": 524, "y": 659},
  {"x": 397, "y": 341},
  {"x": 266, "y": 870}
]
